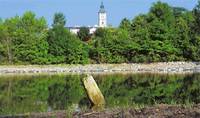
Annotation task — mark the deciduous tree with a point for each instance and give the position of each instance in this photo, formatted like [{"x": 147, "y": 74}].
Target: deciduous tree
[{"x": 84, "y": 34}]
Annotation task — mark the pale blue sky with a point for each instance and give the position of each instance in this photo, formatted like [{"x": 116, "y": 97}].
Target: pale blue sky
[{"x": 84, "y": 12}]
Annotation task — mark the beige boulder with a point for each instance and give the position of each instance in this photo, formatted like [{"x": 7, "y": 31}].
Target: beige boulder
[{"x": 93, "y": 92}]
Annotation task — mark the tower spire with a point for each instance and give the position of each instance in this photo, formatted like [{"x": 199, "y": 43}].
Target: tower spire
[
  {"x": 102, "y": 16},
  {"x": 102, "y": 8}
]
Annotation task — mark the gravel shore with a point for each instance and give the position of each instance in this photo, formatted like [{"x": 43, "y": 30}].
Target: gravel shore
[{"x": 162, "y": 67}]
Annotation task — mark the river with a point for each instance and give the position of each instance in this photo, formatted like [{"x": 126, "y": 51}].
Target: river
[{"x": 21, "y": 94}]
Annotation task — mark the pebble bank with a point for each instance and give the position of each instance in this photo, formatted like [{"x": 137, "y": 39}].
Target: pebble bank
[{"x": 162, "y": 67}]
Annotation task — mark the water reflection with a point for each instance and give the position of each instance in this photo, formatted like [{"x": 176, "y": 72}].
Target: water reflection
[{"x": 21, "y": 94}]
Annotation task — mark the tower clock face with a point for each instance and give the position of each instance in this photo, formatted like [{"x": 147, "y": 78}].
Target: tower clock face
[{"x": 102, "y": 16}]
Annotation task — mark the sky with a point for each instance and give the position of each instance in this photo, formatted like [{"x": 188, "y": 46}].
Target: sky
[{"x": 84, "y": 12}]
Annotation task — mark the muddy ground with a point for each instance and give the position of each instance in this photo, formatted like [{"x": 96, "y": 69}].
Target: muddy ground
[{"x": 158, "y": 111}]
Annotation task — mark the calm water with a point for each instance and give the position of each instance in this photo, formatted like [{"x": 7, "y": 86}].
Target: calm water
[{"x": 22, "y": 94}]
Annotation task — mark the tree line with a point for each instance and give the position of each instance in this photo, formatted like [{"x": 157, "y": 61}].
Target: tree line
[{"x": 163, "y": 34}]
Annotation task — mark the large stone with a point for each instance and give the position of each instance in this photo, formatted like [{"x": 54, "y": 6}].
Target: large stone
[{"x": 93, "y": 92}]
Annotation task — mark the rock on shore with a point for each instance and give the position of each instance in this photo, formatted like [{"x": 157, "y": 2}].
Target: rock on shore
[
  {"x": 93, "y": 92},
  {"x": 162, "y": 67}
]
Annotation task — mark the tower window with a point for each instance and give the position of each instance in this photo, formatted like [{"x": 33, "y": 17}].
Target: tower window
[{"x": 103, "y": 23}]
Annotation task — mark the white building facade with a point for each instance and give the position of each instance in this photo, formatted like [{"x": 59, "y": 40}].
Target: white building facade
[{"x": 102, "y": 22}]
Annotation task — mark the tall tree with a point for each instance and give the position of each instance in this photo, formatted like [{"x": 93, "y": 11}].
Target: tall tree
[
  {"x": 125, "y": 24},
  {"x": 65, "y": 47},
  {"x": 5, "y": 44},
  {"x": 29, "y": 38},
  {"x": 100, "y": 32},
  {"x": 195, "y": 28},
  {"x": 84, "y": 34},
  {"x": 178, "y": 11},
  {"x": 196, "y": 12},
  {"x": 59, "y": 19},
  {"x": 32, "y": 44},
  {"x": 182, "y": 40},
  {"x": 25, "y": 39},
  {"x": 57, "y": 36},
  {"x": 163, "y": 12},
  {"x": 2, "y": 54}
]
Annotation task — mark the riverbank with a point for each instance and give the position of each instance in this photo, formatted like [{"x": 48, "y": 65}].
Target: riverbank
[
  {"x": 157, "y": 111},
  {"x": 162, "y": 67}
]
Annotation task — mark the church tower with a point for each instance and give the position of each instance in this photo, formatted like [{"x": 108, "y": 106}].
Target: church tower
[{"x": 102, "y": 20}]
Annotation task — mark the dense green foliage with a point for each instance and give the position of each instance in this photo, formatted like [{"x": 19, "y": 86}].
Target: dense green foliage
[
  {"x": 65, "y": 47},
  {"x": 24, "y": 94},
  {"x": 24, "y": 39},
  {"x": 164, "y": 34},
  {"x": 84, "y": 34}
]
